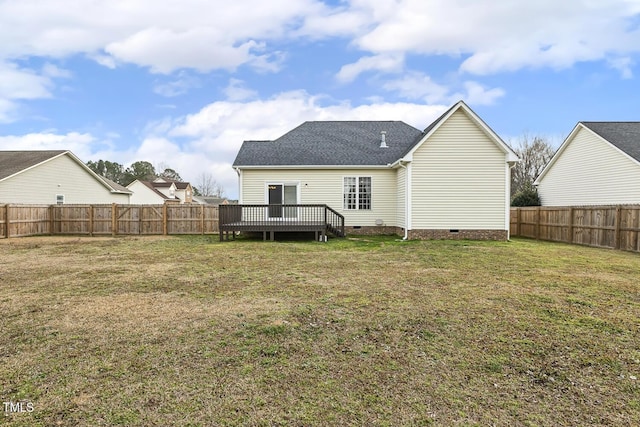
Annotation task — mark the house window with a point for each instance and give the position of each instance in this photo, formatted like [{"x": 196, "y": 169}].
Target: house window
[
  {"x": 59, "y": 199},
  {"x": 357, "y": 193}
]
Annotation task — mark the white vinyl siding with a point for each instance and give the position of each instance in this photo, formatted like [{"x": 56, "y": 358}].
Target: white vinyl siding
[
  {"x": 325, "y": 186},
  {"x": 458, "y": 179},
  {"x": 143, "y": 195},
  {"x": 59, "y": 176},
  {"x": 590, "y": 171}
]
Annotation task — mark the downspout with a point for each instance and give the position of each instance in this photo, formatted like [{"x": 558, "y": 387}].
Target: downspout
[
  {"x": 406, "y": 201},
  {"x": 510, "y": 165},
  {"x": 239, "y": 172}
]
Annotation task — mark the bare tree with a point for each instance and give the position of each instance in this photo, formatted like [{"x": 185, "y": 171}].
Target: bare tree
[
  {"x": 208, "y": 186},
  {"x": 534, "y": 152}
]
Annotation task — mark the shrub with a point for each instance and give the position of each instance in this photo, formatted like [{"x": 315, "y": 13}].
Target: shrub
[{"x": 527, "y": 197}]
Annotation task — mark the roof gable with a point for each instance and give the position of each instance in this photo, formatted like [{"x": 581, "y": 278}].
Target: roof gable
[
  {"x": 460, "y": 105},
  {"x": 16, "y": 162},
  {"x": 624, "y": 136}
]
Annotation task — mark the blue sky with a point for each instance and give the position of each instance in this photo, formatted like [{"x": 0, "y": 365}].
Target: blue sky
[{"x": 181, "y": 83}]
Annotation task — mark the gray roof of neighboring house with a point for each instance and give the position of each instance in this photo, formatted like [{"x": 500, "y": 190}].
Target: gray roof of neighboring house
[
  {"x": 332, "y": 143},
  {"x": 624, "y": 135},
  {"x": 115, "y": 185},
  {"x": 12, "y": 162}
]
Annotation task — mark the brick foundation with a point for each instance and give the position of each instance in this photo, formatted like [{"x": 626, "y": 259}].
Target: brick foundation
[
  {"x": 459, "y": 235},
  {"x": 378, "y": 230},
  {"x": 499, "y": 235}
]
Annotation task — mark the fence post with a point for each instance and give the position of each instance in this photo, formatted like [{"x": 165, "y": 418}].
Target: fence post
[
  {"x": 202, "y": 219},
  {"x": 52, "y": 222},
  {"x": 518, "y": 216},
  {"x": 90, "y": 220},
  {"x": 538, "y": 223},
  {"x": 114, "y": 219},
  {"x": 6, "y": 221},
  {"x": 571, "y": 225},
  {"x": 616, "y": 236},
  {"x": 164, "y": 220}
]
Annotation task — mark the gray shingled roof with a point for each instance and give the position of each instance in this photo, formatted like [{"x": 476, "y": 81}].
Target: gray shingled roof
[
  {"x": 12, "y": 162},
  {"x": 332, "y": 143},
  {"x": 624, "y": 135}
]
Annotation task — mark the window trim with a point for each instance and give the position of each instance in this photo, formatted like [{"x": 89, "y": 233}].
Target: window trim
[{"x": 357, "y": 194}]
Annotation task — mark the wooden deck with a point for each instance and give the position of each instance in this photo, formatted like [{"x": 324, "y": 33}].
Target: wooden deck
[{"x": 269, "y": 219}]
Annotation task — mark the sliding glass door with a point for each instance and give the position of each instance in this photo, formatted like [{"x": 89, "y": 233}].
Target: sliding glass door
[{"x": 282, "y": 194}]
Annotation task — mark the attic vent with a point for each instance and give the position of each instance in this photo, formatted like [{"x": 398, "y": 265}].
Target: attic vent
[{"x": 383, "y": 139}]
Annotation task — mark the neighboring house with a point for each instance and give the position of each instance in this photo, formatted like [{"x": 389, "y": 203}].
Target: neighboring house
[
  {"x": 449, "y": 181},
  {"x": 211, "y": 200},
  {"x": 160, "y": 191},
  {"x": 50, "y": 177},
  {"x": 597, "y": 164},
  {"x": 181, "y": 190}
]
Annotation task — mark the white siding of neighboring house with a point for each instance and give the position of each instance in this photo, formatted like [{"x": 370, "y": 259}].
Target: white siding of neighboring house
[
  {"x": 590, "y": 171},
  {"x": 62, "y": 175},
  {"x": 458, "y": 179},
  {"x": 325, "y": 186},
  {"x": 143, "y": 195},
  {"x": 170, "y": 191}
]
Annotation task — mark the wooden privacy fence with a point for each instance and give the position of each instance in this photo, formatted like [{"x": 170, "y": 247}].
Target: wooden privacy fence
[
  {"x": 107, "y": 220},
  {"x": 616, "y": 227}
]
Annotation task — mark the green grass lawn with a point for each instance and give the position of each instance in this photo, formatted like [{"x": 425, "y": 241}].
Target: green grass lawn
[{"x": 362, "y": 331}]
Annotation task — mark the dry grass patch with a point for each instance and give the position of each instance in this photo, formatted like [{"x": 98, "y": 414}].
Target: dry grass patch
[{"x": 188, "y": 331}]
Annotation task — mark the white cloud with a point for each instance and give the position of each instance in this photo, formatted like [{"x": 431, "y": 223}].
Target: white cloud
[
  {"x": 19, "y": 84},
  {"x": 165, "y": 50},
  {"x": 53, "y": 71},
  {"x": 238, "y": 91},
  {"x": 80, "y": 144},
  {"x": 476, "y": 94},
  {"x": 504, "y": 35},
  {"x": 388, "y": 63},
  {"x": 623, "y": 65},
  {"x": 22, "y": 83},
  {"x": 163, "y": 35},
  {"x": 179, "y": 86},
  {"x": 415, "y": 85}
]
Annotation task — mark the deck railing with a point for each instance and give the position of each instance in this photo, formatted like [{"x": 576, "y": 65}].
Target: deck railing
[{"x": 280, "y": 217}]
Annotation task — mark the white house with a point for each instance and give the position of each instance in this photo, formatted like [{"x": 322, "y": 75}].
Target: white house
[
  {"x": 180, "y": 190},
  {"x": 597, "y": 164},
  {"x": 50, "y": 177},
  {"x": 449, "y": 181},
  {"x": 160, "y": 191}
]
